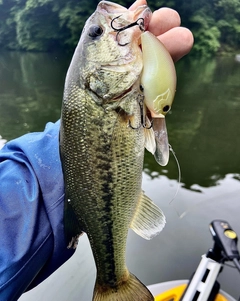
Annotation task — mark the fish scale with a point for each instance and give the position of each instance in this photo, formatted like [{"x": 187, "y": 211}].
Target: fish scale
[{"x": 105, "y": 153}]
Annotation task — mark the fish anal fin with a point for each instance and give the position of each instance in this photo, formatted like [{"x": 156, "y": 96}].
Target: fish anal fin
[{"x": 148, "y": 220}]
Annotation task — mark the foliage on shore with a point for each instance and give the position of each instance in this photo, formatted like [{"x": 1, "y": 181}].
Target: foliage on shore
[{"x": 47, "y": 25}]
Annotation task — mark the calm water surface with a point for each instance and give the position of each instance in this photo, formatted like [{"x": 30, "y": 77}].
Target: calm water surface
[{"x": 204, "y": 131}]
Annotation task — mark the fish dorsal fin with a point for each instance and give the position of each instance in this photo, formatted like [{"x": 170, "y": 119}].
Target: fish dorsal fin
[
  {"x": 150, "y": 143},
  {"x": 148, "y": 220}
]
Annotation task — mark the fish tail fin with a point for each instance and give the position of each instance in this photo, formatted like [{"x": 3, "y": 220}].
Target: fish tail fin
[{"x": 129, "y": 290}]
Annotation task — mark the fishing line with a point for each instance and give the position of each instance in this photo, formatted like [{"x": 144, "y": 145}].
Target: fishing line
[
  {"x": 179, "y": 181},
  {"x": 187, "y": 210},
  {"x": 212, "y": 200}
]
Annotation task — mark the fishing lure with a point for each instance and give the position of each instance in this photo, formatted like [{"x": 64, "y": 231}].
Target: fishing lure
[
  {"x": 139, "y": 22},
  {"x": 159, "y": 85}
]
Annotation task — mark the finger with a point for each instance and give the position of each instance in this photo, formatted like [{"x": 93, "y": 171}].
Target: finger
[
  {"x": 137, "y": 3},
  {"x": 163, "y": 20},
  {"x": 178, "y": 41}
]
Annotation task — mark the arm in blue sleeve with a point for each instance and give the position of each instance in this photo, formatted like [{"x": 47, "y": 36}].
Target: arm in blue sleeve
[{"x": 31, "y": 212}]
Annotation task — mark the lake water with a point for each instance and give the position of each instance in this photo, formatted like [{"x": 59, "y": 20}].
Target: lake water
[{"x": 204, "y": 131}]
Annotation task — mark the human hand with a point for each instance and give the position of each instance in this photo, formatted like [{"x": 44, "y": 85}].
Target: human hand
[{"x": 165, "y": 24}]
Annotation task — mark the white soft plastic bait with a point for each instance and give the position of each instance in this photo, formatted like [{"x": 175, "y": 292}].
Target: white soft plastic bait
[{"x": 159, "y": 85}]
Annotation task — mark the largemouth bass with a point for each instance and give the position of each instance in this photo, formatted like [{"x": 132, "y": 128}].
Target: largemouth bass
[{"x": 102, "y": 141}]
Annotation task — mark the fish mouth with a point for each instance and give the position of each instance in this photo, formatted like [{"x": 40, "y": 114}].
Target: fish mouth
[
  {"x": 110, "y": 7},
  {"x": 143, "y": 11},
  {"x": 140, "y": 17}
]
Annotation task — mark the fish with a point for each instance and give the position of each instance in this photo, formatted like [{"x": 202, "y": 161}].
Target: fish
[
  {"x": 158, "y": 80},
  {"x": 102, "y": 143}
]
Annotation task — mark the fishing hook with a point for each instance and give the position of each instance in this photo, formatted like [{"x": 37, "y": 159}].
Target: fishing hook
[
  {"x": 139, "y": 22},
  {"x": 143, "y": 122}
]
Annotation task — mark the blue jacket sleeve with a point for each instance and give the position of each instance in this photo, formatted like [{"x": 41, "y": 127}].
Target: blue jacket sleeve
[{"x": 31, "y": 211}]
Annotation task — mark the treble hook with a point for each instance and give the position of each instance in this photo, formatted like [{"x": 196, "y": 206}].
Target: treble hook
[
  {"x": 143, "y": 122},
  {"x": 141, "y": 27}
]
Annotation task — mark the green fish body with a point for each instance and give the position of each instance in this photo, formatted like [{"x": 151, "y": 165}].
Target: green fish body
[{"x": 102, "y": 155}]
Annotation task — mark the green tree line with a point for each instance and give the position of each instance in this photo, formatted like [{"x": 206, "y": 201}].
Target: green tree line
[{"x": 47, "y": 25}]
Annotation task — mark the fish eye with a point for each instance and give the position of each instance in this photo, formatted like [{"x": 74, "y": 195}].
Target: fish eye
[
  {"x": 166, "y": 108},
  {"x": 95, "y": 31}
]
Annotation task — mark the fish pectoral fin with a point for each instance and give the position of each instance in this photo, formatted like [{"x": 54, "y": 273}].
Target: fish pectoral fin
[
  {"x": 148, "y": 220},
  {"x": 150, "y": 143},
  {"x": 72, "y": 229}
]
